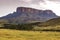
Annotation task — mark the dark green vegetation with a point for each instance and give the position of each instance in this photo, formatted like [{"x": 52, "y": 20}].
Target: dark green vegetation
[{"x": 18, "y": 26}]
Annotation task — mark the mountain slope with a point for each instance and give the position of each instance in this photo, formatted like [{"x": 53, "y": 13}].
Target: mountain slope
[
  {"x": 53, "y": 22},
  {"x": 25, "y": 15},
  {"x": 50, "y": 25}
]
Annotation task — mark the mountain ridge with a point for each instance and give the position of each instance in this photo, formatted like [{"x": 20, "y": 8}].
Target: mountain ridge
[{"x": 24, "y": 14}]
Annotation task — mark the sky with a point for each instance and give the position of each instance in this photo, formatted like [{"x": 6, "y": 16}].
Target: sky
[{"x": 9, "y": 6}]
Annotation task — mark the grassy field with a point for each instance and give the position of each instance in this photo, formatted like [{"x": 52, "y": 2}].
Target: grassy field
[{"x": 6, "y": 34}]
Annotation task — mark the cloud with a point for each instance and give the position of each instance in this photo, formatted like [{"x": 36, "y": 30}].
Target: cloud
[
  {"x": 31, "y": 1},
  {"x": 23, "y": 2},
  {"x": 55, "y": 0},
  {"x": 36, "y": 1},
  {"x": 20, "y": 2},
  {"x": 7, "y": 6}
]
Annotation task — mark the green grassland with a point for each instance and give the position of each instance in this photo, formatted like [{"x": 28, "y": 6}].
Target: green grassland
[{"x": 7, "y": 34}]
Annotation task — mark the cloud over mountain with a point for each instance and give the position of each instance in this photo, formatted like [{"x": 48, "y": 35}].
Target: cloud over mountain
[{"x": 7, "y": 6}]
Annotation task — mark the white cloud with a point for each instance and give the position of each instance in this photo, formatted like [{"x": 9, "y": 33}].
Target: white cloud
[
  {"x": 54, "y": 0},
  {"x": 38, "y": 4}
]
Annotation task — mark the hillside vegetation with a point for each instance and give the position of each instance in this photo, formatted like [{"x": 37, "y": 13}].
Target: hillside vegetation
[{"x": 50, "y": 25}]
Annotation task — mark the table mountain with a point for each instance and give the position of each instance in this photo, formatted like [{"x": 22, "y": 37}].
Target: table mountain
[{"x": 25, "y": 15}]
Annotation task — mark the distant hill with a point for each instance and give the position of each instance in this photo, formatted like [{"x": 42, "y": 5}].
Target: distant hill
[
  {"x": 53, "y": 22},
  {"x": 26, "y": 15},
  {"x": 50, "y": 25}
]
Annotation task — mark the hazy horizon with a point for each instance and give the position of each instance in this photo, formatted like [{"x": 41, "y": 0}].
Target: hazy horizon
[{"x": 9, "y": 6}]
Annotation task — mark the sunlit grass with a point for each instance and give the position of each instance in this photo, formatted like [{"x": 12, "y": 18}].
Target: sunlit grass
[{"x": 6, "y": 34}]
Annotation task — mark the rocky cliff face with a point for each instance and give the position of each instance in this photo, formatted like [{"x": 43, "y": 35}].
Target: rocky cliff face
[{"x": 24, "y": 14}]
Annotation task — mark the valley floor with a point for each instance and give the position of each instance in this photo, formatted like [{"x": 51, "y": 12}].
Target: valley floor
[{"x": 6, "y": 34}]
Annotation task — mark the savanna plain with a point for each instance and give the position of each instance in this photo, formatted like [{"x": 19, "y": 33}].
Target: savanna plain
[{"x": 9, "y": 34}]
